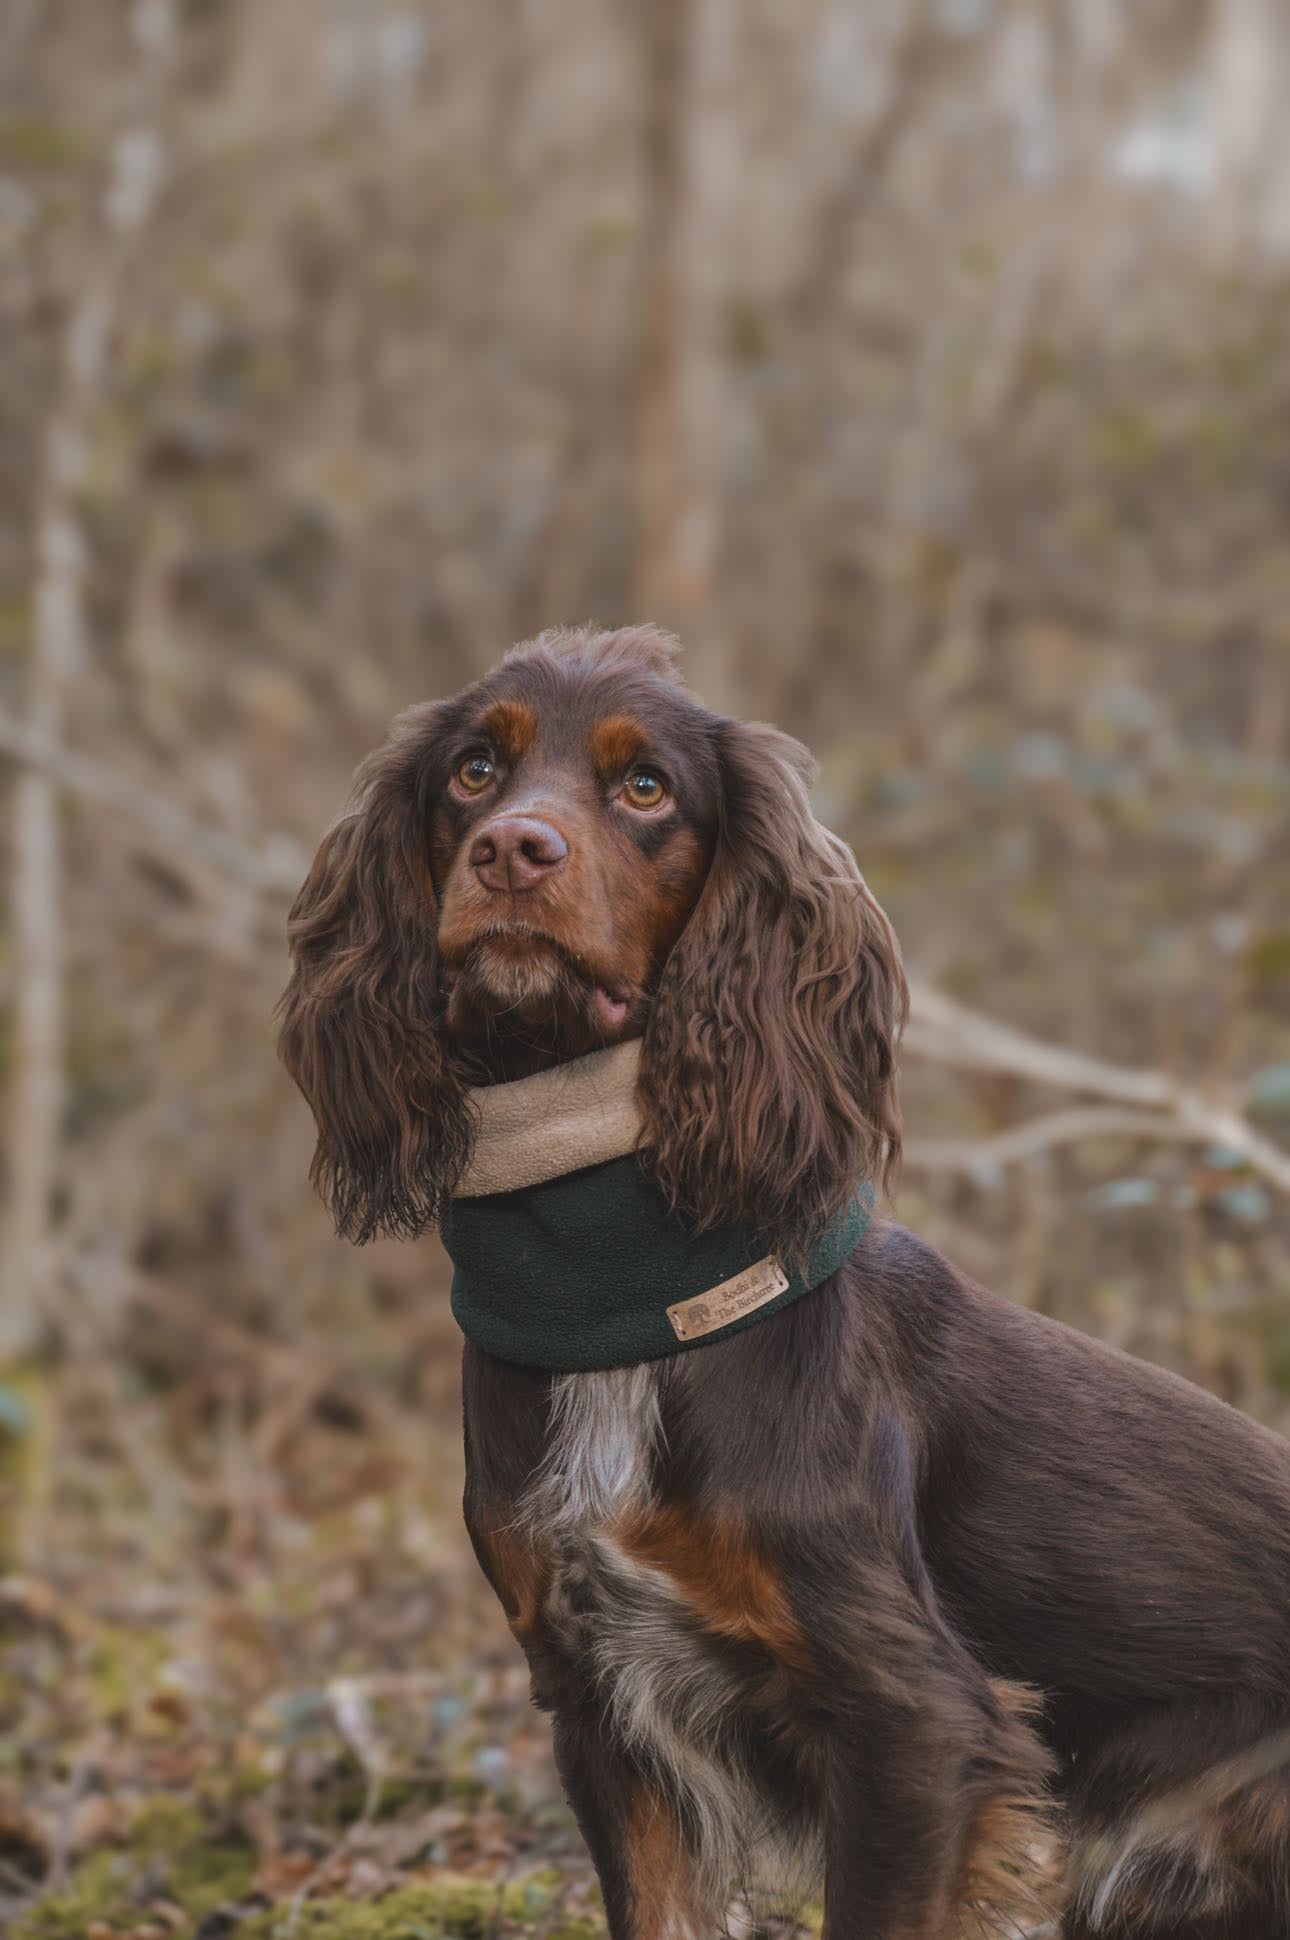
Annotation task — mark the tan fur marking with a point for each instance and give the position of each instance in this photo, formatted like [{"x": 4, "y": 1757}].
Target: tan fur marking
[
  {"x": 659, "y": 1870},
  {"x": 732, "y": 1589},
  {"x": 511, "y": 726},
  {"x": 675, "y": 881},
  {"x": 520, "y": 1576},
  {"x": 1257, "y": 1828},
  {"x": 1225, "y": 1826},
  {"x": 1011, "y": 1874},
  {"x": 615, "y": 743}
]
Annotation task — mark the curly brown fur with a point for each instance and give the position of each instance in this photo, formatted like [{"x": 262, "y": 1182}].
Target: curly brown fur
[
  {"x": 360, "y": 1018},
  {"x": 769, "y": 1055}
]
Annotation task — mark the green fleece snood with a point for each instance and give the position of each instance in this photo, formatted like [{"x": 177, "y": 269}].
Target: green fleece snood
[{"x": 590, "y": 1270}]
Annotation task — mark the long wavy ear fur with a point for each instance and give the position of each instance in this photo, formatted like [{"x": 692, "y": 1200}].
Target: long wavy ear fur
[
  {"x": 360, "y": 1016},
  {"x": 768, "y": 1069}
]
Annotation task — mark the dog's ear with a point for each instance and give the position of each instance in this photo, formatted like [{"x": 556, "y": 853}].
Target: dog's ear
[
  {"x": 768, "y": 1068},
  {"x": 360, "y": 1029}
]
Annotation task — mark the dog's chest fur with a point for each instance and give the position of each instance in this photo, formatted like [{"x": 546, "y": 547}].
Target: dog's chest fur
[
  {"x": 675, "y": 1698},
  {"x": 604, "y": 1605}
]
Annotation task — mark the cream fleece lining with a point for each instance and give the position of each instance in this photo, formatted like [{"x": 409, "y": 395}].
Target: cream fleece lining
[{"x": 539, "y": 1128}]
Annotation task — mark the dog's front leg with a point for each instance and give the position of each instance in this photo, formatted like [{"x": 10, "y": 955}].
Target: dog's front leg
[
  {"x": 633, "y": 1833},
  {"x": 933, "y": 1788},
  {"x": 891, "y": 1844}
]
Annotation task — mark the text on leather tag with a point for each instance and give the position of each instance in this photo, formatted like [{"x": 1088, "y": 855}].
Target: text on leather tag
[{"x": 692, "y": 1319}]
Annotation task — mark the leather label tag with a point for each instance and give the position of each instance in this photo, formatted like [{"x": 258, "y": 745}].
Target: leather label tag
[{"x": 706, "y": 1312}]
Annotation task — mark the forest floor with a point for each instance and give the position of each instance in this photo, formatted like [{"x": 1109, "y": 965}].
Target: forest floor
[{"x": 252, "y": 1682}]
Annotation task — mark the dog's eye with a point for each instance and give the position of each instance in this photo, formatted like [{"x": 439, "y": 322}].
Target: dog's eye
[
  {"x": 475, "y": 773},
  {"x": 643, "y": 789}
]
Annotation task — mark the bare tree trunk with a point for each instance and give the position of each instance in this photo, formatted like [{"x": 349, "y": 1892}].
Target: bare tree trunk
[
  {"x": 680, "y": 426},
  {"x": 37, "y": 921},
  {"x": 58, "y": 644},
  {"x": 1250, "y": 66}
]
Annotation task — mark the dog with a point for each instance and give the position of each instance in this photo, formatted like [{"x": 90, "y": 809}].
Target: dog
[{"x": 894, "y": 1591}]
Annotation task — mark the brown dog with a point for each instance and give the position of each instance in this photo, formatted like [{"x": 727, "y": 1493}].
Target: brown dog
[{"x": 860, "y": 1590}]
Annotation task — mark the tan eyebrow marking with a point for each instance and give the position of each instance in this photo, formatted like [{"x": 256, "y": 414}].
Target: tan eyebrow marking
[
  {"x": 615, "y": 743},
  {"x": 512, "y": 728}
]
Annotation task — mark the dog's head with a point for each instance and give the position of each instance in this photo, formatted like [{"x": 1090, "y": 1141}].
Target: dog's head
[{"x": 571, "y": 852}]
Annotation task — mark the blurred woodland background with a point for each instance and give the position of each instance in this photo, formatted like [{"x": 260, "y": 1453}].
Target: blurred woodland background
[{"x": 926, "y": 364}]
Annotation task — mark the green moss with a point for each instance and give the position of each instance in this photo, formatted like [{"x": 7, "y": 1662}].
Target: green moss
[
  {"x": 123, "y": 1664},
  {"x": 1220, "y": 441},
  {"x": 1268, "y": 957},
  {"x": 747, "y": 333},
  {"x": 32, "y": 142},
  {"x": 15, "y": 626},
  {"x": 168, "y": 1846},
  {"x": 97, "y": 1892},
  {"x": 447, "y": 1908},
  {"x": 1128, "y": 441},
  {"x": 171, "y": 1853},
  {"x": 610, "y": 230},
  {"x": 25, "y": 1431}
]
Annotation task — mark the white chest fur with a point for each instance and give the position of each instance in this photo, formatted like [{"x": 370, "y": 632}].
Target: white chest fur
[{"x": 604, "y": 1429}]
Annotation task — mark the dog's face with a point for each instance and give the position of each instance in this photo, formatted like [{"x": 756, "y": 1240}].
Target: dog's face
[
  {"x": 574, "y": 819},
  {"x": 571, "y": 852}
]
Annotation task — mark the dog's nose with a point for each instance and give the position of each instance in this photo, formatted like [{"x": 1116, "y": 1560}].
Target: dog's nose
[{"x": 516, "y": 853}]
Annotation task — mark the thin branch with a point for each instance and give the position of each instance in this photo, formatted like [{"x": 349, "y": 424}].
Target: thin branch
[
  {"x": 947, "y": 1032},
  {"x": 276, "y": 868},
  {"x": 952, "y": 1033},
  {"x": 1041, "y": 1134}
]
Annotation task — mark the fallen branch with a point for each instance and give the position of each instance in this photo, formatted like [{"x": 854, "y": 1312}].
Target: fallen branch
[
  {"x": 1042, "y": 1134},
  {"x": 942, "y": 1028},
  {"x": 1147, "y": 1104}
]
